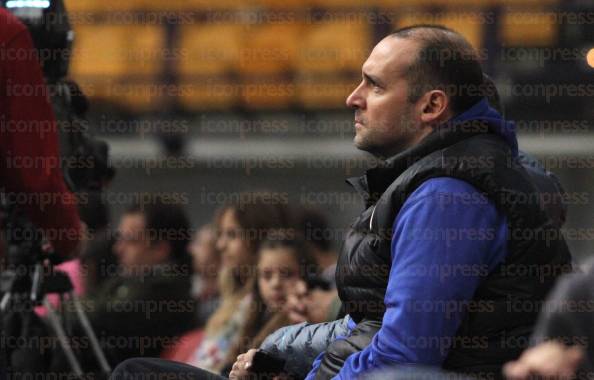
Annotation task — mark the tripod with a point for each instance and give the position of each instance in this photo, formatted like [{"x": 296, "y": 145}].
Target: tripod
[{"x": 29, "y": 277}]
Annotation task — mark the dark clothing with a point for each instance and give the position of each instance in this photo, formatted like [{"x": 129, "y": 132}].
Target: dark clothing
[
  {"x": 568, "y": 316},
  {"x": 549, "y": 187},
  {"x": 148, "y": 368},
  {"x": 138, "y": 316},
  {"x": 485, "y": 161},
  {"x": 30, "y": 167}
]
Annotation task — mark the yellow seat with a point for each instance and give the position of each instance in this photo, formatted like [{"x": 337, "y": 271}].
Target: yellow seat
[
  {"x": 337, "y": 4},
  {"x": 331, "y": 47},
  {"x": 523, "y": 3},
  {"x": 528, "y": 28},
  {"x": 210, "y": 49},
  {"x": 119, "y": 63},
  {"x": 117, "y": 50},
  {"x": 267, "y": 93},
  {"x": 99, "y": 6},
  {"x": 469, "y": 24},
  {"x": 220, "y": 4},
  {"x": 207, "y": 94},
  {"x": 139, "y": 96},
  {"x": 96, "y": 88},
  {"x": 282, "y": 4},
  {"x": 269, "y": 49}
]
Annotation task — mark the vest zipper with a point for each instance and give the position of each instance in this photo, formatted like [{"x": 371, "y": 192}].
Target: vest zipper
[{"x": 371, "y": 219}]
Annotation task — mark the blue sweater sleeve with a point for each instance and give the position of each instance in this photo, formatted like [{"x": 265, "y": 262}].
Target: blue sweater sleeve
[{"x": 446, "y": 238}]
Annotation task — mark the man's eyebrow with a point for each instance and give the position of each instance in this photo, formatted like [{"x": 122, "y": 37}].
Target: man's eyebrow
[{"x": 373, "y": 79}]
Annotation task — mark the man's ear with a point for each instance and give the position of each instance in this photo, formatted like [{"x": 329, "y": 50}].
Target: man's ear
[{"x": 434, "y": 107}]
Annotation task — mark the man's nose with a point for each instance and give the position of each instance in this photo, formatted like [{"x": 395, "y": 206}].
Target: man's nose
[{"x": 355, "y": 99}]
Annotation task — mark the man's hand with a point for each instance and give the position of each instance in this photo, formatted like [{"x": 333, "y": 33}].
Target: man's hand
[
  {"x": 550, "y": 360},
  {"x": 240, "y": 369}
]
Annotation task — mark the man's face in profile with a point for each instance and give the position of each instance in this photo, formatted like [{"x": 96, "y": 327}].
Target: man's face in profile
[{"x": 385, "y": 122}]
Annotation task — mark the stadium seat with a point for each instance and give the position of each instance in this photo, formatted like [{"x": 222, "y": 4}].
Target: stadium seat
[
  {"x": 209, "y": 49},
  {"x": 269, "y": 49},
  {"x": 528, "y": 28},
  {"x": 282, "y": 4},
  {"x": 268, "y": 93},
  {"x": 338, "y": 4},
  {"x": 331, "y": 47},
  {"x": 117, "y": 50},
  {"x": 119, "y": 63},
  {"x": 201, "y": 94},
  {"x": 220, "y": 4},
  {"x": 101, "y": 6},
  {"x": 524, "y": 3},
  {"x": 140, "y": 96}
]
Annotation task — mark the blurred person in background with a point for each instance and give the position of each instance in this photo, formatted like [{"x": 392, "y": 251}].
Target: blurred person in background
[
  {"x": 319, "y": 236},
  {"x": 31, "y": 180},
  {"x": 206, "y": 260},
  {"x": 30, "y": 172},
  {"x": 98, "y": 259},
  {"x": 148, "y": 304},
  {"x": 562, "y": 343},
  {"x": 283, "y": 261},
  {"x": 241, "y": 228},
  {"x": 97, "y": 262},
  {"x": 319, "y": 302}
]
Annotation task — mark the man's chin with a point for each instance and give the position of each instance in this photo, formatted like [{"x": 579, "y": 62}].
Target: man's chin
[{"x": 363, "y": 145}]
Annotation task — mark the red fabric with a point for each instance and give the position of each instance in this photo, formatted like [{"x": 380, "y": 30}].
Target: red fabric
[
  {"x": 29, "y": 160},
  {"x": 183, "y": 349}
]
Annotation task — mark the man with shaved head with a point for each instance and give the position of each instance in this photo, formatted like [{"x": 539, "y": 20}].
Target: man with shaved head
[{"x": 454, "y": 252}]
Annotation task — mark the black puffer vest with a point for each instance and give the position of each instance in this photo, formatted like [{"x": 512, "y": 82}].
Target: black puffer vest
[{"x": 537, "y": 253}]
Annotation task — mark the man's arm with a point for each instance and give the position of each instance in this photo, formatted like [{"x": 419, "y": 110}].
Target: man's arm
[
  {"x": 442, "y": 246},
  {"x": 299, "y": 345}
]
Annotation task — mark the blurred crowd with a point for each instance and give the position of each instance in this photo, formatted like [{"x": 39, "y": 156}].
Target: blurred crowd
[{"x": 157, "y": 287}]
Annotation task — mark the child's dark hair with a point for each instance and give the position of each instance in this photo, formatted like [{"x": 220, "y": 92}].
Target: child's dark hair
[
  {"x": 308, "y": 268},
  {"x": 252, "y": 333}
]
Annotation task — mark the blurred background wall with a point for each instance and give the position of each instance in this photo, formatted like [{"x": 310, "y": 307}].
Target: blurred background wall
[{"x": 203, "y": 99}]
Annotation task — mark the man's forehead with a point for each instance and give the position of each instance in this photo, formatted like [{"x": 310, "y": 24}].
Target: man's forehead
[{"x": 391, "y": 56}]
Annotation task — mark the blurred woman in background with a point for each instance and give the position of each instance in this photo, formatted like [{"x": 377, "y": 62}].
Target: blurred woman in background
[{"x": 241, "y": 228}]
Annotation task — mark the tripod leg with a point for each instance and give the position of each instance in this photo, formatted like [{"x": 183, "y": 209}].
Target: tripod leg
[
  {"x": 84, "y": 321},
  {"x": 59, "y": 331}
]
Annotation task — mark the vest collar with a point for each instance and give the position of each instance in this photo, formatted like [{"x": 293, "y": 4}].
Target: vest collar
[{"x": 376, "y": 180}]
